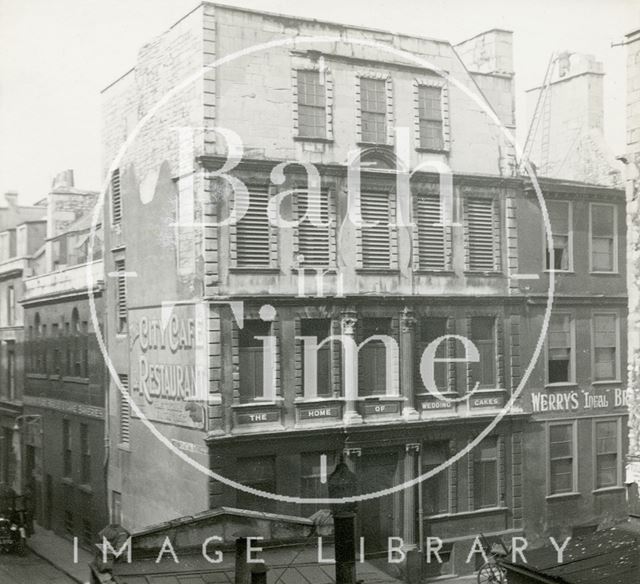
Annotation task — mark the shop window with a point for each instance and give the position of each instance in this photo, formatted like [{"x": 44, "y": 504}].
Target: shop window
[
  {"x": 607, "y": 454},
  {"x": 66, "y": 448},
  {"x": 257, "y": 473},
  {"x": 312, "y": 107},
  {"x": 559, "y": 258},
  {"x": 375, "y": 235},
  {"x": 314, "y": 230},
  {"x": 318, "y": 361},
  {"x": 253, "y": 232},
  {"x": 373, "y": 110},
  {"x": 435, "y": 490},
  {"x": 311, "y": 478},
  {"x": 605, "y": 347},
  {"x": 444, "y": 567},
  {"x": 560, "y": 349},
  {"x": 431, "y": 329},
  {"x": 483, "y": 235},
  {"x": 372, "y": 357},
  {"x": 603, "y": 238},
  {"x": 483, "y": 336},
  {"x": 125, "y": 410},
  {"x": 251, "y": 352},
  {"x": 430, "y": 117},
  {"x": 485, "y": 474},
  {"x": 561, "y": 459}
]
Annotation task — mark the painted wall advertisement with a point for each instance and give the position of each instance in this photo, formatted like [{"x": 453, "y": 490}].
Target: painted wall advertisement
[
  {"x": 578, "y": 400},
  {"x": 169, "y": 364}
]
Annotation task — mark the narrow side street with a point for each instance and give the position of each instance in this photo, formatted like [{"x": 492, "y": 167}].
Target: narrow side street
[{"x": 29, "y": 569}]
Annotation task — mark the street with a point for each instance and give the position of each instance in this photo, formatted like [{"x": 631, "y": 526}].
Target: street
[{"x": 30, "y": 569}]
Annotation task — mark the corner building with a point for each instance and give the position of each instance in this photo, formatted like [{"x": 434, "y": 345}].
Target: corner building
[{"x": 177, "y": 289}]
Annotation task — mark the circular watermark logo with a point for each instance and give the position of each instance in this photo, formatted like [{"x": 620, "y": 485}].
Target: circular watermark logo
[{"x": 317, "y": 215}]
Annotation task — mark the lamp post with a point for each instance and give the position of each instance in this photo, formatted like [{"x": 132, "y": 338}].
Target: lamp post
[{"x": 342, "y": 484}]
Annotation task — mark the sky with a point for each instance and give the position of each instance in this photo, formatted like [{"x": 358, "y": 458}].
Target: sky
[{"x": 57, "y": 55}]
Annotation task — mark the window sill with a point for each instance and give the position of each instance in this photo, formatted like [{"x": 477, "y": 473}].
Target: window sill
[
  {"x": 604, "y": 490},
  {"x": 256, "y": 404},
  {"x": 379, "y": 271},
  {"x": 318, "y": 400},
  {"x": 501, "y": 509},
  {"x": 432, "y": 150},
  {"x": 571, "y": 495},
  {"x": 312, "y": 139},
  {"x": 490, "y": 274},
  {"x": 428, "y": 272},
  {"x": 37, "y": 376},
  {"x": 561, "y": 385},
  {"x": 592, "y": 273},
  {"x": 85, "y": 488},
  {"x": 607, "y": 382},
  {"x": 300, "y": 269},
  {"x": 254, "y": 269},
  {"x": 124, "y": 446},
  {"x": 565, "y": 272},
  {"x": 66, "y": 480}
]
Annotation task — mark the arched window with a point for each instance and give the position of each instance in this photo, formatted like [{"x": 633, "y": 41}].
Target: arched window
[
  {"x": 36, "y": 347},
  {"x": 76, "y": 351}
]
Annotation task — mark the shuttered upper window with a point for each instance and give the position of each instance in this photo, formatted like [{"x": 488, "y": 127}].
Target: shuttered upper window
[
  {"x": 253, "y": 232},
  {"x": 430, "y": 117},
  {"x": 312, "y": 113},
  {"x": 375, "y": 240},
  {"x": 483, "y": 235},
  {"x": 125, "y": 410},
  {"x": 121, "y": 299},
  {"x": 373, "y": 110},
  {"x": 313, "y": 232},
  {"x": 116, "y": 197},
  {"x": 433, "y": 241}
]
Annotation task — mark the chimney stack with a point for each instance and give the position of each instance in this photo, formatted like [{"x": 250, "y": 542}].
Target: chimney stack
[
  {"x": 63, "y": 179},
  {"x": 11, "y": 197}
]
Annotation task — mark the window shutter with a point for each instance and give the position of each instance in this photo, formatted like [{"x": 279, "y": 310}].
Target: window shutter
[
  {"x": 116, "y": 198},
  {"x": 433, "y": 239},
  {"x": 482, "y": 231},
  {"x": 122, "y": 292},
  {"x": 313, "y": 241},
  {"x": 125, "y": 411},
  {"x": 376, "y": 240},
  {"x": 253, "y": 231}
]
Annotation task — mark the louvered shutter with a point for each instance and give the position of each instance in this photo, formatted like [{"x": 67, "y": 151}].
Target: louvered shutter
[
  {"x": 376, "y": 240},
  {"x": 253, "y": 231},
  {"x": 483, "y": 243},
  {"x": 116, "y": 198},
  {"x": 125, "y": 411},
  {"x": 433, "y": 238},
  {"x": 314, "y": 241},
  {"x": 122, "y": 295}
]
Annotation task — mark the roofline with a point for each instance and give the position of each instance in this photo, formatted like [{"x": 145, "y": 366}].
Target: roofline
[
  {"x": 475, "y": 36},
  {"x": 567, "y": 78},
  {"x": 279, "y": 15}
]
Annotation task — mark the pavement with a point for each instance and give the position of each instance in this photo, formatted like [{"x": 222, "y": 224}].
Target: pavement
[
  {"x": 30, "y": 569},
  {"x": 58, "y": 551}
]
